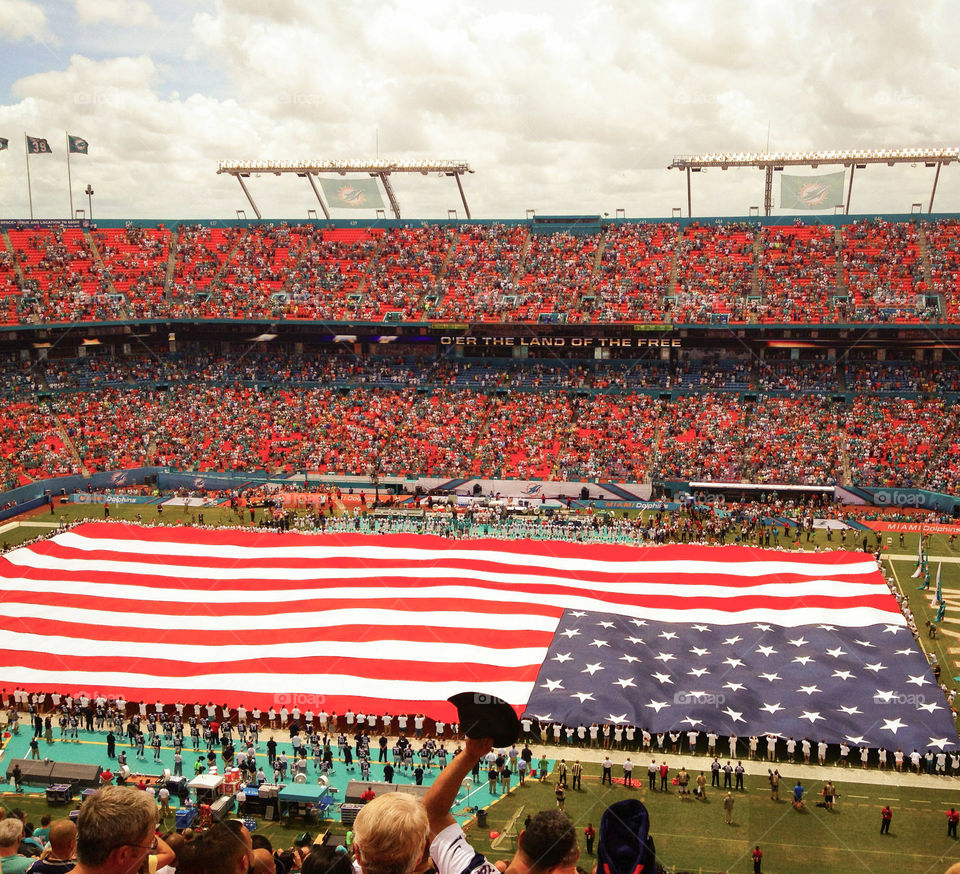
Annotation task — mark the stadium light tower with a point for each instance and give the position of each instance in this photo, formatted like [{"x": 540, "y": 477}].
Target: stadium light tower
[
  {"x": 377, "y": 168},
  {"x": 855, "y": 159}
]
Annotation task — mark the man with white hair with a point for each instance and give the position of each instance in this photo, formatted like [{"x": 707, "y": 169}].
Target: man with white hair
[
  {"x": 11, "y": 862},
  {"x": 391, "y": 835}
]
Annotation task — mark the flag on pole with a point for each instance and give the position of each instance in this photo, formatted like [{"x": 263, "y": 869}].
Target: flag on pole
[
  {"x": 743, "y": 641},
  {"x": 77, "y": 145},
  {"x": 939, "y": 592},
  {"x": 4, "y": 143},
  {"x": 919, "y": 569},
  {"x": 38, "y": 146}
]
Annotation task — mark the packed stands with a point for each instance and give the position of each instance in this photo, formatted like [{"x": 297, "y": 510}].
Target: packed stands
[
  {"x": 738, "y": 272},
  {"x": 699, "y": 418}
]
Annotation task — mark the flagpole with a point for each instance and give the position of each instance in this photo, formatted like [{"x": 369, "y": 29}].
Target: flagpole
[
  {"x": 69, "y": 180},
  {"x": 29, "y": 188}
]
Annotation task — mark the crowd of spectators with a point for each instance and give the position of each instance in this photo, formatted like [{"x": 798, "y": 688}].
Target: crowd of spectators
[
  {"x": 866, "y": 271},
  {"x": 696, "y": 418}
]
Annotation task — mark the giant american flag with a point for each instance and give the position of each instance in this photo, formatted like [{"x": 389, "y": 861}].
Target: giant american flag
[{"x": 732, "y": 639}]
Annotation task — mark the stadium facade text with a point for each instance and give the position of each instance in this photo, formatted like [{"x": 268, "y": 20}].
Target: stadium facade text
[{"x": 601, "y": 342}]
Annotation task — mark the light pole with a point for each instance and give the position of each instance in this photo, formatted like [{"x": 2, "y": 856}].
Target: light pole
[{"x": 89, "y": 192}]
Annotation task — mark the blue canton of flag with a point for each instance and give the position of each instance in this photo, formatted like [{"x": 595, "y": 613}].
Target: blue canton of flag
[{"x": 867, "y": 686}]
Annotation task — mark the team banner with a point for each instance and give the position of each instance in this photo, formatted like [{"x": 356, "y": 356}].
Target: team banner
[
  {"x": 352, "y": 194},
  {"x": 38, "y": 146},
  {"x": 77, "y": 145},
  {"x": 824, "y": 191}
]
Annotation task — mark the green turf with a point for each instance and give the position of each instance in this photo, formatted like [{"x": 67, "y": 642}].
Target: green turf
[{"x": 692, "y": 835}]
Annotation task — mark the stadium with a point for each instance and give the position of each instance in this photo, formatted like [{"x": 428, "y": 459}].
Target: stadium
[{"x": 285, "y": 503}]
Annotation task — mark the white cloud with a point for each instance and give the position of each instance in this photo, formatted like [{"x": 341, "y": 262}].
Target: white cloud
[
  {"x": 23, "y": 20},
  {"x": 567, "y": 109},
  {"x": 132, "y": 13}
]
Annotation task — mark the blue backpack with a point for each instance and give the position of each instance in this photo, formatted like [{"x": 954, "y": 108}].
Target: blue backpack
[{"x": 625, "y": 845}]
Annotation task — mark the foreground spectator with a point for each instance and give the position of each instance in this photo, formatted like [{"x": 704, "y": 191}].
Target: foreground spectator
[
  {"x": 391, "y": 836},
  {"x": 11, "y": 830},
  {"x": 115, "y": 832},
  {"x": 548, "y": 843},
  {"x": 224, "y": 849},
  {"x": 61, "y": 855}
]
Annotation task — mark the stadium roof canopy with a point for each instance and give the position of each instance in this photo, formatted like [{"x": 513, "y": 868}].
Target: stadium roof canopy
[
  {"x": 377, "y": 168},
  {"x": 855, "y": 159}
]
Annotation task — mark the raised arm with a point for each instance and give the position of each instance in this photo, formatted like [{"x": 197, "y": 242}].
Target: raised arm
[{"x": 441, "y": 795}]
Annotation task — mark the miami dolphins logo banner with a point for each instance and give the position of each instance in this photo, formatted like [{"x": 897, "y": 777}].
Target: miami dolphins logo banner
[
  {"x": 352, "y": 193},
  {"x": 823, "y": 191}
]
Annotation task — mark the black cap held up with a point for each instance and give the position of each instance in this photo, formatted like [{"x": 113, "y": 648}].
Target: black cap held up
[{"x": 487, "y": 716}]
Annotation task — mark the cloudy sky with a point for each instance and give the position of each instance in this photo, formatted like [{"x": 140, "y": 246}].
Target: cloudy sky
[{"x": 561, "y": 107}]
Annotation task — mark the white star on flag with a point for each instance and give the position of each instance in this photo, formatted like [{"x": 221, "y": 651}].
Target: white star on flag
[
  {"x": 562, "y": 657},
  {"x": 701, "y": 627},
  {"x": 700, "y": 651},
  {"x": 857, "y": 740},
  {"x": 570, "y": 632},
  {"x": 665, "y": 657},
  {"x": 843, "y": 675},
  {"x": 657, "y": 705},
  {"x": 940, "y": 742},
  {"x": 635, "y": 640},
  {"x": 803, "y": 660},
  {"x": 918, "y": 680},
  {"x": 599, "y": 643},
  {"x": 690, "y": 721},
  {"x": 698, "y": 672},
  {"x": 827, "y": 627},
  {"x": 811, "y": 716},
  {"x": 770, "y": 678},
  {"x": 798, "y": 641},
  {"x": 893, "y": 725},
  {"x": 550, "y": 685},
  {"x": 850, "y": 711},
  {"x": 865, "y": 643},
  {"x": 730, "y": 641},
  {"x": 810, "y": 690},
  {"x": 639, "y": 622},
  {"x": 626, "y": 657},
  {"x": 892, "y": 629},
  {"x": 578, "y": 613},
  {"x": 583, "y": 696},
  {"x": 616, "y": 720},
  {"x": 663, "y": 678},
  {"x": 929, "y": 707},
  {"x": 623, "y": 683},
  {"x": 766, "y": 650},
  {"x": 734, "y": 663},
  {"x": 668, "y": 635},
  {"x": 734, "y": 715},
  {"x": 592, "y": 669},
  {"x": 760, "y": 626},
  {"x": 876, "y": 667},
  {"x": 836, "y": 653},
  {"x": 772, "y": 708},
  {"x": 607, "y": 624},
  {"x": 734, "y": 687},
  {"x": 886, "y": 697}
]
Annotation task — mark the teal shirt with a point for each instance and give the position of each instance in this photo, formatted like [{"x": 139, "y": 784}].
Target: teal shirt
[{"x": 15, "y": 864}]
